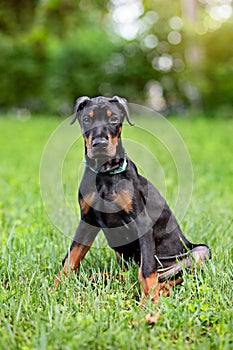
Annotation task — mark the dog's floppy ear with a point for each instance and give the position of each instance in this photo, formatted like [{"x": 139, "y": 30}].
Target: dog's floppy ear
[
  {"x": 80, "y": 104},
  {"x": 124, "y": 105}
]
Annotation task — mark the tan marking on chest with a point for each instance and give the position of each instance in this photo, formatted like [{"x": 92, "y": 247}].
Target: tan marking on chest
[
  {"x": 87, "y": 202},
  {"x": 124, "y": 200}
]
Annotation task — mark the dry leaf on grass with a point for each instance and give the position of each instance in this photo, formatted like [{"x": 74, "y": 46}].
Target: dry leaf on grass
[
  {"x": 152, "y": 319},
  {"x": 132, "y": 324}
]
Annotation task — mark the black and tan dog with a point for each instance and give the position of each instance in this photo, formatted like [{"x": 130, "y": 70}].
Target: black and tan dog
[{"x": 135, "y": 219}]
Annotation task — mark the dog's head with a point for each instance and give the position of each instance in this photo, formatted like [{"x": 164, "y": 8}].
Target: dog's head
[{"x": 101, "y": 119}]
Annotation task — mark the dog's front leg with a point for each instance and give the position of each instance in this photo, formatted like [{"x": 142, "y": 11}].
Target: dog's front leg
[{"x": 83, "y": 239}]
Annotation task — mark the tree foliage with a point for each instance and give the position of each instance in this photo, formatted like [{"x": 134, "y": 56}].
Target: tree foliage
[{"x": 53, "y": 51}]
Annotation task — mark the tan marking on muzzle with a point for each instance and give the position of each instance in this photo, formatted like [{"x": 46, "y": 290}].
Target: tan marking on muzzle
[
  {"x": 113, "y": 139},
  {"x": 88, "y": 141},
  {"x": 109, "y": 113}
]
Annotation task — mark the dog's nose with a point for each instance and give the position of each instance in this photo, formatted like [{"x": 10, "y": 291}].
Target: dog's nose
[{"x": 100, "y": 142}]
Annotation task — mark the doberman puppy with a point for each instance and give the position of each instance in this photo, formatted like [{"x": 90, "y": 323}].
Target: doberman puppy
[{"x": 136, "y": 220}]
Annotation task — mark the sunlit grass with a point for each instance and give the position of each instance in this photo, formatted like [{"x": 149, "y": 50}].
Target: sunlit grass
[{"x": 107, "y": 314}]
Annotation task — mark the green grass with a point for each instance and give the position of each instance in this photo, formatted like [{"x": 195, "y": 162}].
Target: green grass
[{"x": 81, "y": 315}]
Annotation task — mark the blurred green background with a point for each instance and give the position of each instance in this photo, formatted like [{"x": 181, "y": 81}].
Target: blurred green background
[
  {"x": 176, "y": 56},
  {"x": 171, "y": 55}
]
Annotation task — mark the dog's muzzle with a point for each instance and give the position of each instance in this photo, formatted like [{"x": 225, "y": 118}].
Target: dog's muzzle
[{"x": 99, "y": 144}]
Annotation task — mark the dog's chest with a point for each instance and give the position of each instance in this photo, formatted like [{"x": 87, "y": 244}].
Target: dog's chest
[{"x": 113, "y": 198}]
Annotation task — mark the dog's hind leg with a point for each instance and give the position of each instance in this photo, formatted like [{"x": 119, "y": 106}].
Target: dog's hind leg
[
  {"x": 147, "y": 275},
  {"x": 199, "y": 254}
]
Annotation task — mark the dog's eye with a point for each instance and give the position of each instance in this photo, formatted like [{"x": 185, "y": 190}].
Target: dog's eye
[
  {"x": 114, "y": 119},
  {"x": 86, "y": 120}
]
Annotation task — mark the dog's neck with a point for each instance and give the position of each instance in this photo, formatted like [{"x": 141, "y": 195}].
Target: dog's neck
[{"x": 108, "y": 165}]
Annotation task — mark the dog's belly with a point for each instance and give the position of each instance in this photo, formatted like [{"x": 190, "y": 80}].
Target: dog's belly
[
  {"x": 119, "y": 228},
  {"x": 120, "y": 236}
]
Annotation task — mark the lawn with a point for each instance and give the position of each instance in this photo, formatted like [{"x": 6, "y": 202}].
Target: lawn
[{"x": 82, "y": 314}]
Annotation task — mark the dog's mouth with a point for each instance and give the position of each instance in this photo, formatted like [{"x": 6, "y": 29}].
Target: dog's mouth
[{"x": 103, "y": 152}]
